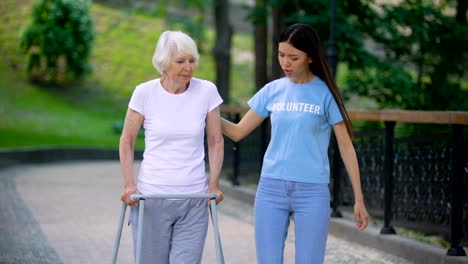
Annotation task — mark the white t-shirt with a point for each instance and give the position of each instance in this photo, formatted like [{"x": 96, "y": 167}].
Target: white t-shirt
[{"x": 173, "y": 160}]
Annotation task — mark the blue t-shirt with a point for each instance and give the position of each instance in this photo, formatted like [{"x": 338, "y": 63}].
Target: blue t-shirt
[{"x": 301, "y": 116}]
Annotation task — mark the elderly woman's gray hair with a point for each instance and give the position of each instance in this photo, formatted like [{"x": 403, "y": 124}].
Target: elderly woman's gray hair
[{"x": 171, "y": 43}]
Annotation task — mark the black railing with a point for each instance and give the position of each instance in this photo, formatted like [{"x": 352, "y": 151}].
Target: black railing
[{"x": 417, "y": 181}]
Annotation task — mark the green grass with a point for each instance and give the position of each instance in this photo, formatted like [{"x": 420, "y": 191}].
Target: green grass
[
  {"x": 83, "y": 114},
  {"x": 125, "y": 44},
  {"x": 430, "y": 239},
  {"x": 31, "y": 116}
]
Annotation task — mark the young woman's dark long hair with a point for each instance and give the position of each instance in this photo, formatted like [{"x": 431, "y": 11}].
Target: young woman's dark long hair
[{"x": 304, "y": 38}]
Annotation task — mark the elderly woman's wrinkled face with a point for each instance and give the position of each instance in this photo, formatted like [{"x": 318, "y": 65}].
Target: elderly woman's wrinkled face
[{"x": 181, "y": 68}]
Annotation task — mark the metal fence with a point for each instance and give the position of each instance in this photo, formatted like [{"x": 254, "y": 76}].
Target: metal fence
[{"x": 415, "y": 180}]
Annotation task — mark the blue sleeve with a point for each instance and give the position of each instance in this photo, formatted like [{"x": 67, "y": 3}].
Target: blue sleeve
[
  {"x": 259, "y": 102},
  {"x": 332, "y": 112}
]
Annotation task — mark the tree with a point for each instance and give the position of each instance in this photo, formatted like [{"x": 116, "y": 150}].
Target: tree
[
  {"x": 278, "y": 26},
  {"x": 258, "y": 16},
  {"x": 424, "y": 60},
  {"x": 193, "y": 24},
  {"x": 58, "y": 40},
  {"x": 410, "y": 56},
  {"x": 222, "y": 48},
  {"x": 462, "y": 7},
  {"x": 189, "y": 16}
]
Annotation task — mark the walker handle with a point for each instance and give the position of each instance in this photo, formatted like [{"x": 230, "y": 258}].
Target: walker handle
[{"x": 135, "y": 197}]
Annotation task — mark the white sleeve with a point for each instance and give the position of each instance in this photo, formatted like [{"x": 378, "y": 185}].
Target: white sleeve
[
  {"x": 137, "y": 100},
  {"x": 214, "y": 97}
]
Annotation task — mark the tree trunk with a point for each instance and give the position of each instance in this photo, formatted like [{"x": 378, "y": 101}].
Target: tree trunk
[
  {"x": 462, "y": 6},
  {"x": 261, "y": 78},
  {"x": 222, "y": 48},
  {"x": 278, "y": 26},
  {"x": 332, "y": 53},
  {"x": 260, "y": 38}
]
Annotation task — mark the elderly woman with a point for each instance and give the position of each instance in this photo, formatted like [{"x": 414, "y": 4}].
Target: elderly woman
[{"x": 174, "y": 110}]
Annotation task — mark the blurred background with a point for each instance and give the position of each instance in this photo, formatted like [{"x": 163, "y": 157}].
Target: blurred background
[{"x": 68, "y": 68}]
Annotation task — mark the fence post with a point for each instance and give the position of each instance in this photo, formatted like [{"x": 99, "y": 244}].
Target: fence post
[
  {"x": 335, "y": 172},
  {"x": 456, "y": 185},
  {"x": 388, "y": 174},
  {"x": 236, "y": 157}
]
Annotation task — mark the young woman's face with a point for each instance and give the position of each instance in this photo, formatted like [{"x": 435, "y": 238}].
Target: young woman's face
[
  {"x": 294, "y": 62},
  {"x": 181, "y": 68}
]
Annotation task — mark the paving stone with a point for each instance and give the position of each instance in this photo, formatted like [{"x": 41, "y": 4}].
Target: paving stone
[{"x": 68, "y": 212}]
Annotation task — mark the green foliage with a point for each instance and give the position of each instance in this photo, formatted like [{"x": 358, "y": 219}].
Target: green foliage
[
  {"x": 190, "y": 17},
  {"x": 258, "y": 14},
  {"x": 58, "y": 40},
  {"x": 419, "y": 38},
  {"x": 84, "y": 113},
  {"x": 388, "y": 85},
  {"x": 410, "y": 56}
]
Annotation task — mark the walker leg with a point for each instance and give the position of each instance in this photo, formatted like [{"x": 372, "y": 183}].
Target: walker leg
[
  {"x": 217, "y": 237},
  {"x": 141, "y": 213},
  {"x": 119, "y": 233}
]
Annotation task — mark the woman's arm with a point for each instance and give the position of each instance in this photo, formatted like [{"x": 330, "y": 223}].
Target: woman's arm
[
  {"x": 248, "y": 123},
  {"x": 132, "y": 125},
  {"x": 348, "y": 154},
  {"x": 215, "y": 151}
]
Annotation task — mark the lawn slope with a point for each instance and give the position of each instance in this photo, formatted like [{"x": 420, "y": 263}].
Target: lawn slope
[{"x": 83, "y": 114}]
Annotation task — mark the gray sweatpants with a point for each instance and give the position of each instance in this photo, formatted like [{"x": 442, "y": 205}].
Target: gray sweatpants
[{"x": 174, "y": 231}]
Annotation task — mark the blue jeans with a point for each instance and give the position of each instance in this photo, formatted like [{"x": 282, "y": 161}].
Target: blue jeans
[{"x": 275, "y": 202}]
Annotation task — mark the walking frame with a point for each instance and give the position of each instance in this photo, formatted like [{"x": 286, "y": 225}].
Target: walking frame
[{"x": 141, "y": 211}]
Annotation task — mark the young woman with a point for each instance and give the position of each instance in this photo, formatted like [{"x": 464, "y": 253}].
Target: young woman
[
  {"x": 175, "y": 110},
  {"x": 304, "y": 106}
]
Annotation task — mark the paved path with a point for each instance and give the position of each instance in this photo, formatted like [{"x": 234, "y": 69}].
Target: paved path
[{"x": 68, "y": 213}]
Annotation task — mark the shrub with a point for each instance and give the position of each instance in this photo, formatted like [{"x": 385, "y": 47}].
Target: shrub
[{"x": 58, "y": 40}]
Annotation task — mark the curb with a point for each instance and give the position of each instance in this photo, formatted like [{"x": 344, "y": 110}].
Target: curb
[
  {"x": 412, "y": 250},
  {"x": 51, "y": 154}
]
